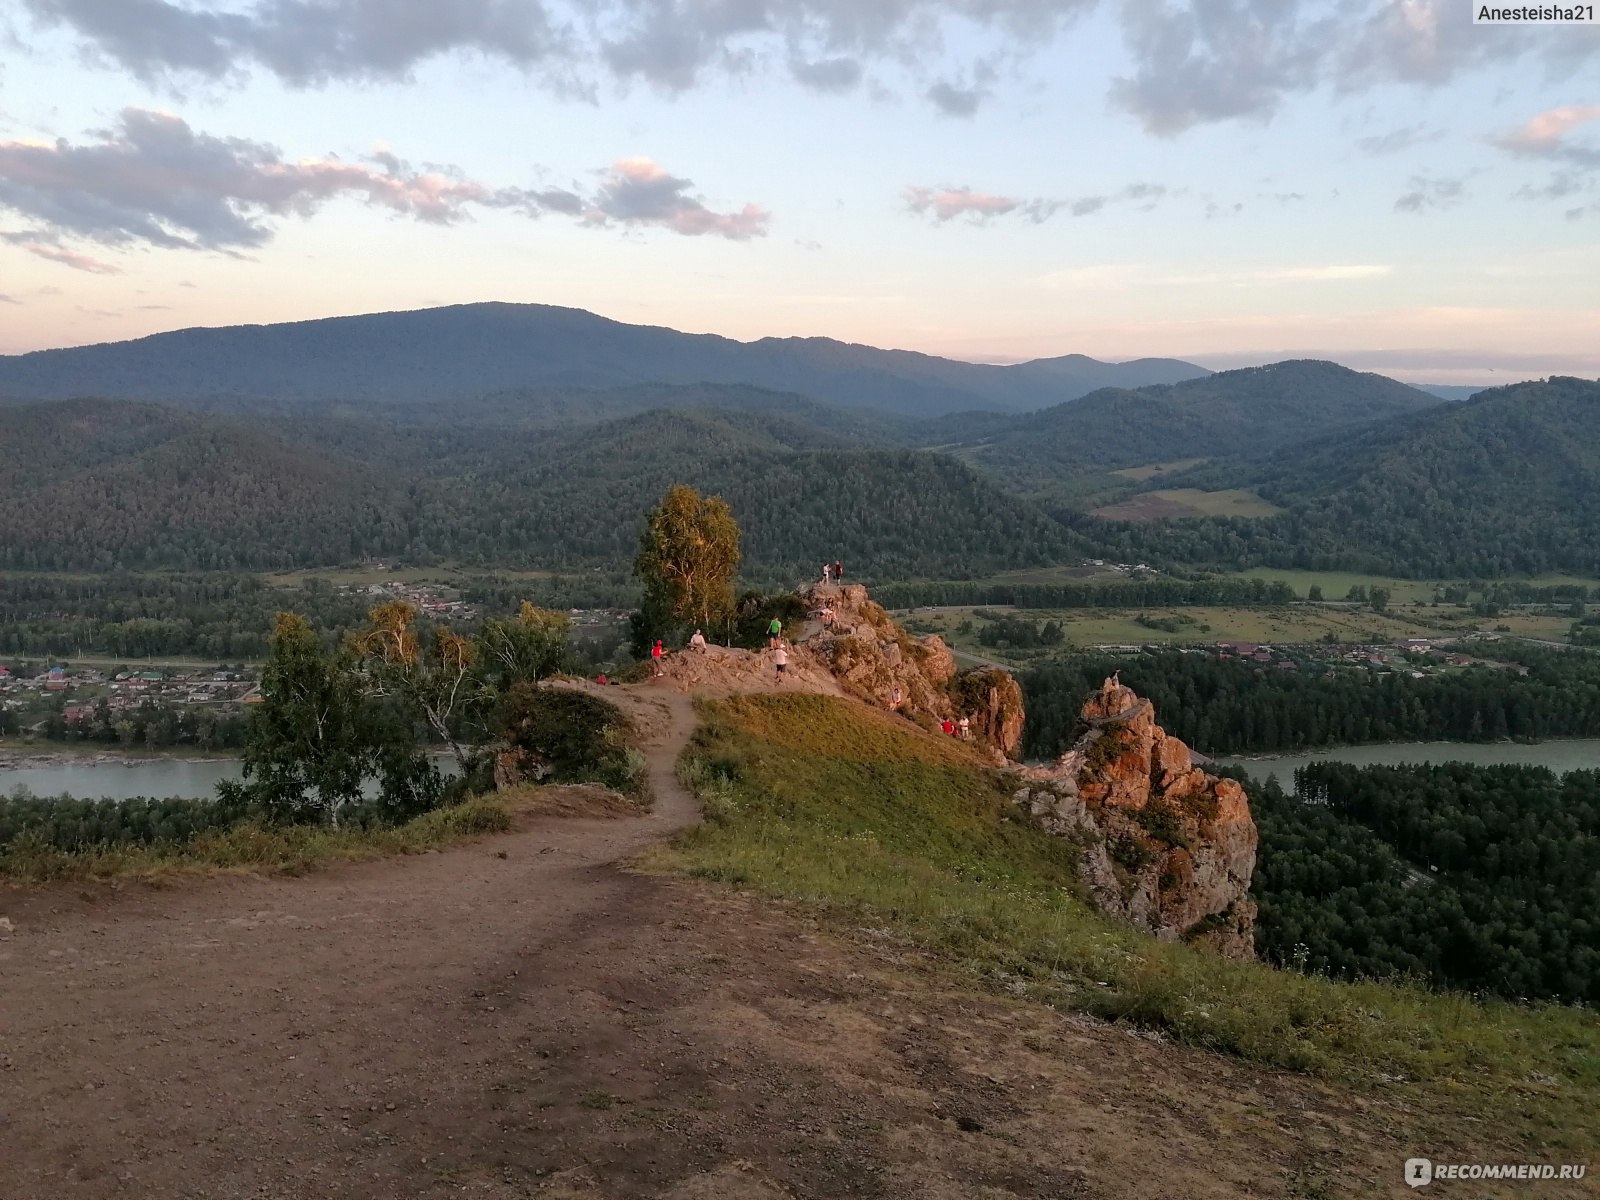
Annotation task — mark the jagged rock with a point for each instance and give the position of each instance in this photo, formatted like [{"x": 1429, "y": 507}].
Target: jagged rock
[
  {"x": 1167, "y": 846},
  {"x": 871, "y": 657}
]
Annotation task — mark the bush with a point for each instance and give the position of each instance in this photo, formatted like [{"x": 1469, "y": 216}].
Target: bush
[
  {"x": 574, "y": 737},
  {"x": 71, "y": 825}
]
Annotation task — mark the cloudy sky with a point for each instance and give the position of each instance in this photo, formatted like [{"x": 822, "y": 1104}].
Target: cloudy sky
[{"x": 1230, "y": 181}]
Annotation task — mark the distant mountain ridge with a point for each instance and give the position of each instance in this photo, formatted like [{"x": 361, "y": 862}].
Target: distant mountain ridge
[
  {"x": 406, "y": 359},
  {"x": 1245, "y": 413},
  {"x": 1506, "y": 483}
]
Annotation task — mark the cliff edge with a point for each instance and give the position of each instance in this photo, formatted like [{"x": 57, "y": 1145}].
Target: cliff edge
[{"x": 1166, "y": 845}]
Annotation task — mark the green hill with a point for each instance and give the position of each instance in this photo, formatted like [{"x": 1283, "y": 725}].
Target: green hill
[
  {"x": 1250, "y": 413},
  {"x": 117, "y": 484},
  {"x": 1506, "y": 483}
]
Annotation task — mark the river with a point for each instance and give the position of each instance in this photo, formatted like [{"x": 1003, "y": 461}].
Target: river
[
  {"x": 124, "y": 779},
  {"x": 1560, "y": 755}
]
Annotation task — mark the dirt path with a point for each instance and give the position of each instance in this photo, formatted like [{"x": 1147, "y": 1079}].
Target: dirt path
[{"x": 521, "y": 1018}]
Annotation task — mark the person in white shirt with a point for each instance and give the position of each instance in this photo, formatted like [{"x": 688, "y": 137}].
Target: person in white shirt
[
  {"x": 698, "y": 641},
  {"x": 780, "y": 659}
]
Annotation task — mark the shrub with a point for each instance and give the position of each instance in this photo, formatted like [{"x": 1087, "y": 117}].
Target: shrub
[{"x": 575, "y": 737}]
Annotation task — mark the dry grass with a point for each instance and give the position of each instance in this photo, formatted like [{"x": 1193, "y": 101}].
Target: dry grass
[{"x": 261, "y": 849}]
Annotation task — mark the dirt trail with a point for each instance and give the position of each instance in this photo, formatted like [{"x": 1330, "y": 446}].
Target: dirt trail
[{"x": 521, "y": 1018}]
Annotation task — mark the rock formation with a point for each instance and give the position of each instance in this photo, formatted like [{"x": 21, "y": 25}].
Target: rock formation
[
  {"x": 871, "y": 657},
  {"x": 1167, "y": 846}
]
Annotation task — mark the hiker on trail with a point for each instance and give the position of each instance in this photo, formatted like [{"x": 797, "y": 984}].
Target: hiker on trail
[
  {"x": 894, "y": 699},
  {"x": 827, "y": 616},
  {"x": 698, "y": 641},
  {"x": 774, "y": 632},
  {"x": 827, "y": 574},
  {"x": 966, "y": 729},
  {"x": 780, "y": 659},
  {"x": 948, "y": 726},
  {"x": 655, "y": 658},
  {"x": 601, "y": 679},
  {"x": 838, "y": 573}
]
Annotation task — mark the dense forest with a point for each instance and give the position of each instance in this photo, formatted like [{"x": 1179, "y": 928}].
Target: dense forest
[
  {"x": 115, "y": 486},
  {"x": 220, "y": 618},
  {"x": 1483, "y": 879},
  {"x": 1506, "y": 483},
  {"x": 1223, "y": 706},
  {"x": 1249, "y": 413}
]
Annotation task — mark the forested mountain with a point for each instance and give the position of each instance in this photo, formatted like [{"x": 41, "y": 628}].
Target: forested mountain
[
  {"x": 443, "y": 355},
  {"x": 1505, "y": 483},
  {"x": 1249, "y": 413},
  {"x": 111, "y": 484}
]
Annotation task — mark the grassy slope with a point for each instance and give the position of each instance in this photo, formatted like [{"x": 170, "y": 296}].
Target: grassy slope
[
  {"x": 825, "y": 802},
  {"x": 289, "y": 850}
]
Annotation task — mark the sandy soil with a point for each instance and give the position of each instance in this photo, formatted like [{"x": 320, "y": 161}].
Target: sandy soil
[{"x": 523, "y": 1018}]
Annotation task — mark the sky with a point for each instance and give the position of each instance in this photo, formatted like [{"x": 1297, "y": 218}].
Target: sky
[{"x": 1382, "y": 183}]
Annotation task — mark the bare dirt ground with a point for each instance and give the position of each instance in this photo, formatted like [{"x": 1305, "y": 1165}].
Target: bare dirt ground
[{"x": 522, "y": 1018}]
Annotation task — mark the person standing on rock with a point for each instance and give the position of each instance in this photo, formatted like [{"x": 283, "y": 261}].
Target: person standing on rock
[
  {"x": 838, "y": 574},
  {"x": 780, "y": 659},
  {"x": 895, "y": 699},
  {"x": 774, "y": 633},
  {"x": 698, "y": 641},
  {"x": 655, "y": 658},
  {"x": 966, "y": 728}
]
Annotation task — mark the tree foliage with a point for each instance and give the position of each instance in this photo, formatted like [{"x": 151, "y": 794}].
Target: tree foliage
[
  {"x": 688, "y": 557},
  {"x": 1469, "y": 877},
  {"x": 320, "y": 735},
  {"x": 1231, "y": 707}
]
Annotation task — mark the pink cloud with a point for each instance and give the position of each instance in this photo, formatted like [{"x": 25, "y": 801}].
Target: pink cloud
[
  {"x": 948, "y": 203},
  {"x": 1549, "y": 126}
]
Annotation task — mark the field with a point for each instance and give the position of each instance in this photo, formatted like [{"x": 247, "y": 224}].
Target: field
[
  {"x": 1148, "y": 472},
  {"x": 1336, "y": 585},
  {"x": 1204, "y": 626},
  {"x": 1188, "y": 502}
]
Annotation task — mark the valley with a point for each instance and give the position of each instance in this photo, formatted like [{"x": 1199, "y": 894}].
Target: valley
[{"x": 407, "y": 637}]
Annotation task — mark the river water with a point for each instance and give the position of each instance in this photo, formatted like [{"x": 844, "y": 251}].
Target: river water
[
  {"x": 1565, "y": 754},
  {"x": 125, "y": 779}
]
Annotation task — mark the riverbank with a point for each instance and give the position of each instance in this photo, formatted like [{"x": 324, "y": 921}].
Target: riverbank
[
  {"x": 27, "y": 756},
  {"x": 1557, "y": 754}
]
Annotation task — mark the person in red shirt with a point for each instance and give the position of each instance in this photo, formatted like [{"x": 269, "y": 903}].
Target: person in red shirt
[
  {"x": 948, "y": 726},
  {"x": 655, "y": 658}
]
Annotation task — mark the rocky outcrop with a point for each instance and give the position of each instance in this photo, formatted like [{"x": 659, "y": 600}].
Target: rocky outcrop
[
  {"x": 872, "y": 658},
  {"x": 1166, "y": 845}
]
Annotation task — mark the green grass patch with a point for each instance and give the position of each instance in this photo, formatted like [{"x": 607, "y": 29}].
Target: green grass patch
[
  {"x": 266, "y": 849},
  {"x": 822, "y": 801},
  {"x": 1150, "y": 470},
  {"x": 1188, "y": 502}
]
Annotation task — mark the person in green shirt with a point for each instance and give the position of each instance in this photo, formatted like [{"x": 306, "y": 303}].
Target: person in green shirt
[{"x": 774, "y": 632}]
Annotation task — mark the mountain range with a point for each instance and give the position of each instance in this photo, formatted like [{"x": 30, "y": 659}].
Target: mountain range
[
  {"x": 443, "y": 355},
  {"x": 1326, "y": 467}
]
